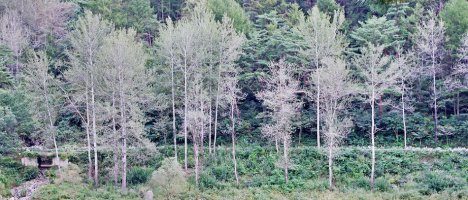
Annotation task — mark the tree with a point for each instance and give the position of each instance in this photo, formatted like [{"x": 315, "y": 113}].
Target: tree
[
  {"x": 336, "y": 90},
  {"x": 377, "y": 76},
  {"x": 322, "y": 38},
  {"x": 167, "y": 40},
  {"x": 279, "y": 97},
  {"x": 377, "y": 31},
  {"x": 402, "y": 62},
  {"x": 229, "y": 50},
  {"x": 86, "y": 42},
  {"x": 455, "y": 20},
  {"x": 15, "y": 36},
  {"x": 232, "y": 10},
  {"x": 457, "y": 79},
  {"x": 45, "y": 94},
  {"x": 125, "y": 59},
  {"x": 429, "y": 45},
  {"x": 46, "y": 20},
  {"x": 232, "y": 94}
]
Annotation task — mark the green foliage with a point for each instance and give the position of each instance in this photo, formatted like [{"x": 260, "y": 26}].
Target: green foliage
[
  {"x": 328, "y": 6},
  {"x": 382, "y": 184},
  {"x": 377, "y": 31},
  {"x": 138, "y": 175},
  {"x": 15, "y": 106},
  {"x": 30, "y": 173},
  {"x": 455, "y": 18},
  {"x": 437, "y": 181},
  {"x": 169, "y": 180},
  {"x": 233, "y": 10},
  {"x": 5, "y": 77},
  {"x": 125, "y": 14},
  {"x": 81, "y": 192}
]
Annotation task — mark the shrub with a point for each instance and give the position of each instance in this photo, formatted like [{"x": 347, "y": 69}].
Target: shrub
[
  {"x": 30, "y": 173},
  {"x": 361, "y": 182},
  {"x": 169, "y": 180},
  {"x": 382, "y": 184},
  {"x": 138, "y": 175},
  {"x": 436, "y": 181}
]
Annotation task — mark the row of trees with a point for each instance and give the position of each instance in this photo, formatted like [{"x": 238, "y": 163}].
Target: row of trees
[
  {"x": 204, "y": 66},
  {"x": 200, "y": 53}
]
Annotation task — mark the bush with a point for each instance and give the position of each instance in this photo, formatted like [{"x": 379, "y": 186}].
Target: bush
[
  {"x": 382, "y": 184},
  {"x": 361, "y": 182},
  {"x": 436, "y": 181},
  {"x": 169, "y": 180},
  {"x": 138, "y": 175},
  {"x": 30, "y": 173}
]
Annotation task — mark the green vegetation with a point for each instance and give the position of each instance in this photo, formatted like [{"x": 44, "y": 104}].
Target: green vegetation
[
  {"x": 234, "y": 99},
  {"x": 411, "y": 174}
]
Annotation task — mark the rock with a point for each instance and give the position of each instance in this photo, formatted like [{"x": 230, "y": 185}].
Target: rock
[{"x": 148, "y": 195}]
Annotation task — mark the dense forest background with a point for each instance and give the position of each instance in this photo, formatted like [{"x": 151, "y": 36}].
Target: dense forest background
[
  {"x": 269, "y": 30},
  {"x": 119, "y": 75}
]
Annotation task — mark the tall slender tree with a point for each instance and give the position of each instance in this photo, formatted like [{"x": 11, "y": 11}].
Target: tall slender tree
[
  {"x": 126, "y": 57},
  {"x": 429, "y": 45},
  {"x": 402, "y": 62},
  {"x": 337, "y": 87},
  {"x": 377, "y": 76},
  {"x": 45, "y": 93},
  {"x": 86, "y": 41},
  {"x": 280, "y": 99},
  {"x": 322, "y": 38}
]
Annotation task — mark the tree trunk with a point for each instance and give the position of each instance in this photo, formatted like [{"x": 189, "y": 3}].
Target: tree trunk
[
  {"x": 233, "y": 138},
  {"x": 123, "y": 125},
  {"x": 318, "y": 97},
  {"x": 435, "y": 95},
  {"x": 90, "y": 161},
  {"x": 285, "y": 157},
  {"x": 403, "y": 112},
  {"x": 216, "y": 113},
  {"x": 93, "y": 107},
  {"x": 174, "y": 130},
  {"x": 185, "y": 111},
  {"x": 116, "y": 142},
  {"x": 330, "y": 168},
  {"x": 202, "y": 133},
  {"x": 195, "y": 151},
  {"x": 209, "y": 127},
  {"x": 372, "y": 139}
]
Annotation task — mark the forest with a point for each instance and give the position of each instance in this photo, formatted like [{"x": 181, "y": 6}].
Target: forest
[{"x": 233, "y": 99}]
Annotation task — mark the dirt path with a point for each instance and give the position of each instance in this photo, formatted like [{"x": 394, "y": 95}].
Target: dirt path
[{"x": 26, "y": 190}]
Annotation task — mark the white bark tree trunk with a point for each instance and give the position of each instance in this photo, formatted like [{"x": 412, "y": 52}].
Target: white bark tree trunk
[
  {"x": 116, "y": 142},
  {"x": 330, "y": 166},
  {"x": 285, "y": 157},
  {"x": 93, "y": 107},
  {"x": 403, "y": 112},
  {"x": 185, "y": 112},
  {"x": 372, "y": 139},
  {"x": 435, "y": 97},
  {"x": 90, "y": 161},
  {"x": 233, "y": 138},
  {"x": 174, "y": 131}
]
